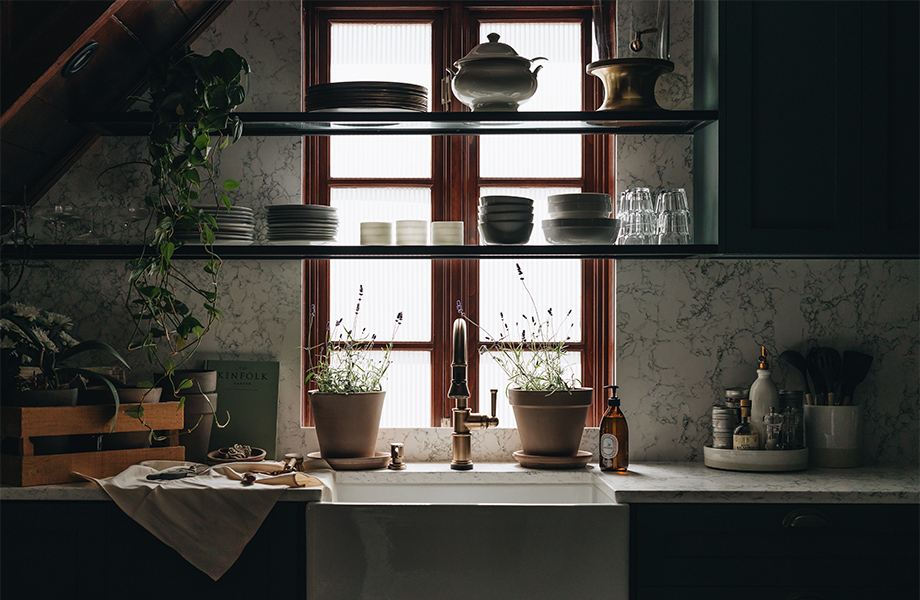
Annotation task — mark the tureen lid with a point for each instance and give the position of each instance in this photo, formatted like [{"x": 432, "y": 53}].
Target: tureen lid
[{"x": 491, "y": 49}]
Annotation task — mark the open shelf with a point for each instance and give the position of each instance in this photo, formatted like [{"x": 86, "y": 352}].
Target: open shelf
[
  {"x": 438, "y": 123},
  {"x": 230, "y": 252}
]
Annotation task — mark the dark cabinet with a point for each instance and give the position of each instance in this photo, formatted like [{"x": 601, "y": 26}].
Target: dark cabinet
[
  {"x": 85, "y": 549},
  {"x": 775, "y": 551},
  {"x": 818, "y": 127}
]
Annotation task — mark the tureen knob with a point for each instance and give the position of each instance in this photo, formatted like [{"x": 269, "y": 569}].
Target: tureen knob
[{"x": 493, "y": 37}]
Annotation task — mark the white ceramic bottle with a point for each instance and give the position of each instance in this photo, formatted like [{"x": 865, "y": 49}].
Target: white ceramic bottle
[{"x": 763, "y": 395}]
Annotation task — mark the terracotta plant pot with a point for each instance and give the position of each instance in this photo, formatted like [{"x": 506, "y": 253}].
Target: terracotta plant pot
[
  {"x": 203, "y": 382},
  {"x": 196, "y": 443},
  {"x": 551, "y": 423},
  {"x": 347, "y": 424}
]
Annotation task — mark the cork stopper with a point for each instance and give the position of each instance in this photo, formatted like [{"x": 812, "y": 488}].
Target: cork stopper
[{"x": 763, "y": 364}]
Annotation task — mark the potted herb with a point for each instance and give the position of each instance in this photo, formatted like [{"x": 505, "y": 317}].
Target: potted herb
[
  {"x": 549, "y": 405},
  {"x": 348, "y": 399}
]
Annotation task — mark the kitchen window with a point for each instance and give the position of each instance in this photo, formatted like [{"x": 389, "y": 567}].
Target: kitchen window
[{"x": 438, "y": 178}]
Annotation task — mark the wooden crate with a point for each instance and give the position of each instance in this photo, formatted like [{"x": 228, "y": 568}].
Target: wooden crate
[{"x": 24, "y": 422}]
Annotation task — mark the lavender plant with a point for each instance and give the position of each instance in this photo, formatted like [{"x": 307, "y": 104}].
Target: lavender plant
[
  {"x": 533, "y": 359},
  {"x": 343, "y": 363}
]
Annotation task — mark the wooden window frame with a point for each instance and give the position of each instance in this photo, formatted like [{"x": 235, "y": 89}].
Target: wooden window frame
[{"x": 455, "y": 187}]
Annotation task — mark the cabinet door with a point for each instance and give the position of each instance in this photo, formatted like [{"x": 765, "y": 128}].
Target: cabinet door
[
  {"x": 790, "y": 108},
  {"x": 828, "y": 551},
  {"x": 891, "y": 127}
]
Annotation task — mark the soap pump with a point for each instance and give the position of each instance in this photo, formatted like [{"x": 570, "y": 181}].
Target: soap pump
[
  {"x": 614, "y": 435},
  {"x": 764, "y": 395}
]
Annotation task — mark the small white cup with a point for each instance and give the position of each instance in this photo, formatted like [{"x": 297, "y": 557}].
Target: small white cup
[
  {"x": 447, "y": 233},
  {"x": 833, "y": 435},
  {"x": 375, "y": 233}
]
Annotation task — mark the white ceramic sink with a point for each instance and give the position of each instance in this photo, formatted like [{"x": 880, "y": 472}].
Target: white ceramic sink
[
  {"x": 502, "y": 536},
  {"x": 473, "y": 493}
]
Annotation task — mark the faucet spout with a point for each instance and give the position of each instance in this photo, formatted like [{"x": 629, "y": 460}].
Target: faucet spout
[
  {"x": 459, "y": 390},
  {"x": 464, "y": 420}
]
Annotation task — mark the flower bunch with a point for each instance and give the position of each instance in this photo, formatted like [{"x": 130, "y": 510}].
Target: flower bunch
[
  {"x": 39, "y": 339},
  {"x": 343, "y": 363},
  {"x": 532, "y": 353}
]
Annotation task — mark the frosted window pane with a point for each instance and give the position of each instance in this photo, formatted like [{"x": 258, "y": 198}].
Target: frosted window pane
[
  {"x": 530, "y": 156},
  {"x": 408, "y": 387},
  {"x": 559, "y": 81},
  {"x": 559, "y": 85},
  {"x": 554, "y": 284},
  {"x": 540, "y": 205},
  {"x": 357, "y": 205},
  {"x": 380, "y": 156},
  {"x": 492, "y": 377},
  {"x": 390, "y": 286},
  {"x": 381, "y": 52}
]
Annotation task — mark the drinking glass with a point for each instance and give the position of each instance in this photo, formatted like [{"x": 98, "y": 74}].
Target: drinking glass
[
  {"x": 674, "y": 227},
  {"x": 671, "y": 200}
]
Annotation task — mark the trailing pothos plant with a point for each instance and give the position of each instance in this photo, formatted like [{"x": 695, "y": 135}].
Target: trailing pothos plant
[{"x": 173, "y": 303}]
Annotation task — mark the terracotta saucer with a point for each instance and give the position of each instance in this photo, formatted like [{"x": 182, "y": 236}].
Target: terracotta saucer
[
  {"x": 215, "y": 458},
  {"x": 553, "y": 462},
  {"x": 378, "y": 461}
]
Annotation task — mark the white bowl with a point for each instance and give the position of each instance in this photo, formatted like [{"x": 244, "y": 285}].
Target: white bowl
[
  {"x": 492, "y": 200},
  {"x": 504, "y": 208},
  {"x": 562, "y": 199},
  {"x": 507, "y": 217}
]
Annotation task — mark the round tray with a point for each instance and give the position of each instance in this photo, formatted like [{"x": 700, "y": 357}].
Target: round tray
[
  {"x": 364, "y": 463},
  {"x": 756, "y": 460}
]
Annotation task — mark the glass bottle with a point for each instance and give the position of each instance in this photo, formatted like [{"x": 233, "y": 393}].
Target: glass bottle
[
  {"x": 744, "y": 437},
  {"x": 614, "y": 436},
  {"x": 763, "y": 395}
]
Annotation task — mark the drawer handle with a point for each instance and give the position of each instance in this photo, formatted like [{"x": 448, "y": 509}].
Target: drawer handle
[
  {"x": 805, "y": 517},
  {"x": 806, "y": 596}
]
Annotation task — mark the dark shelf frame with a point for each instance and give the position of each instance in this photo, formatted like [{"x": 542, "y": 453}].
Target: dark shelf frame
[
  {"x": 438, "y": 123},
  {"x": 230, "y": 252}
]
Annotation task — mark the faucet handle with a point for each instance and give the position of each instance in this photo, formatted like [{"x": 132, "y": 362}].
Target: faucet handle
[{"x": 494, "y": 394}]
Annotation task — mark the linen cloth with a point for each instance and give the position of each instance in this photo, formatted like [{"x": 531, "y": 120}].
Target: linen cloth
[{"x": 209, "y": 518}]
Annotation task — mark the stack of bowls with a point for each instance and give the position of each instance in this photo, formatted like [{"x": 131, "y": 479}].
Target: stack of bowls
[
  {"x": 582, "y": 218},
  {"x": 411, "y": 233},
  {"x": 447, "y": 233},
  {"x": 505, "y": 219},
  {"x": 376, "y": 233}
]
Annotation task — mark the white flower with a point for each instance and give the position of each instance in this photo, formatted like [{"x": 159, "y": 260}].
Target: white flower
[
  {"x": 6, "y": 343},
  {"x": 59, "y": 319},
  {"x": 68, "y": 340},
  {"x": 45, "y": 341},
  {"x": 24, "y": 310}
]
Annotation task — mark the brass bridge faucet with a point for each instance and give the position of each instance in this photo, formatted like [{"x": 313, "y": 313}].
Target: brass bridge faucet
[{"x": 464, "y": 421}]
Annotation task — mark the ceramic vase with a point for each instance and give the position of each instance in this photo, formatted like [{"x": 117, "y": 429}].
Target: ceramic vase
[{"x": 551, "y": 423}]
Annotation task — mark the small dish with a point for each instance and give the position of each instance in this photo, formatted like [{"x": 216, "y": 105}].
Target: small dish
[
  {"x": 215, "y": 458},
  {"x": 378, "y": 461},
  {"x": 532, "y": 461}
]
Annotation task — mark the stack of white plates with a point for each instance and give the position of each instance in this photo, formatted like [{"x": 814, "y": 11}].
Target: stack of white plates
[
  {"x": 299, "y": 223},
  {"x": 366, "y": 96},
  {"x": 234, "y": 226}
]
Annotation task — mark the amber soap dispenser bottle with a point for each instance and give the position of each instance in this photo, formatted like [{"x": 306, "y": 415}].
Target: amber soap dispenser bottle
[{"x": 614, "y": 438}]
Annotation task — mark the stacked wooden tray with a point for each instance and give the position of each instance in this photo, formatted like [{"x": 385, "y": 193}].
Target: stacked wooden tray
[{"x": 24, "y": 468}]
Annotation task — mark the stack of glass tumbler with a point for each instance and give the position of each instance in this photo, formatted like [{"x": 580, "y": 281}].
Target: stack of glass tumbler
[{"x": 668, "y": 222}]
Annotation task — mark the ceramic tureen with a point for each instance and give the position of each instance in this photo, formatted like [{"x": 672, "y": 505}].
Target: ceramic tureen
[{"x": 492, "y": 77}]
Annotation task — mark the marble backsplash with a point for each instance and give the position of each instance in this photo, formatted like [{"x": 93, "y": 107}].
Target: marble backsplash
[{"x": 685, "y": 328}]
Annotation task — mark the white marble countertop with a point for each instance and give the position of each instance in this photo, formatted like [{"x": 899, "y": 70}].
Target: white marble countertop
[{"x": 644, "y": 482}]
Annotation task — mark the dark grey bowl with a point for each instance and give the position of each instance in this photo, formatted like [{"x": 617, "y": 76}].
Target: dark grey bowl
[{"x": 493, "y": 235}]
